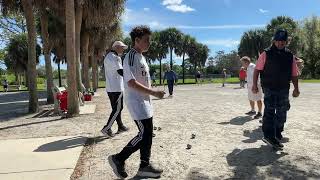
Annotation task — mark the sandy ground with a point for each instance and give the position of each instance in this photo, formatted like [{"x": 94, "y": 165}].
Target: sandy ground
[{"x": 227, "y": 144}]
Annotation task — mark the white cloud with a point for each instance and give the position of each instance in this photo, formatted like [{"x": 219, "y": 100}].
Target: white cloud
[
  {"x": 170, "y": 2},
  {"x": 130, "y": 19},
  {"x": 146, "y": 9},
  {"x": 177, "y": 6},
  {"x": 239, "y": 26},
  {"x": 222, "y": 42},
  {"x": 263, "y": 11},
  {"x": 180, "y": 8}
]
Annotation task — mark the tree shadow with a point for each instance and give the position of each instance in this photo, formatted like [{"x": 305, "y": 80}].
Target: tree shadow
[
  {"x": 246, "y": 161},
  {"x": 286, "y": 170},
  {"x": 69, "y": 143},
  {"x": 240, "y": 120},
  {"x": 28, "y": 124}
]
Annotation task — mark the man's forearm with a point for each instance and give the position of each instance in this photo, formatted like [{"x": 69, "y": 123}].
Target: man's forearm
[
  {"x": 295, "y": 82},
  {"x": 139, "y": 87},
  {"x": 255, "y": 77}
]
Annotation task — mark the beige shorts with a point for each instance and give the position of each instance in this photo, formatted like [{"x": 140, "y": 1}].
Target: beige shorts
[{"x": 252, "y": 96}]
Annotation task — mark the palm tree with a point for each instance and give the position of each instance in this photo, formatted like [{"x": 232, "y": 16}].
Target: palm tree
[
  {"x": 157, "y": 50},
  {"x": 44, "y": 21},
  {"x": 99, "y": 16},
  {"x": 85, "y": 39},
  {"x": 182, "y": 50},
  {"x": 170, "y": 38},
  {"x": 193, "y": 51},
  {"x": 16, "y": 55},
  {"x": 26, "y": 6},
  {"x": 32, "y": 71},
  {"x": 253, "y": 42},
  {"x": 73, "y": 104},
  {"x": 285, "y": 22}
]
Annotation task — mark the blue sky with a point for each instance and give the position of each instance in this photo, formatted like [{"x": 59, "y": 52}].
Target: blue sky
[{"x": 216, "y": 23}]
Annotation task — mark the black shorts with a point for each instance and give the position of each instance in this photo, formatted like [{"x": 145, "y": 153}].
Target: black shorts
[
  {"x": 198, "y": 76},
  {"x": 5, "y": 86}
]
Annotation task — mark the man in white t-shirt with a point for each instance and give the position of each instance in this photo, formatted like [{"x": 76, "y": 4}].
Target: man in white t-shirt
[
  {"x": 137, "y": 97},
  {"x": 114, "y": 86},
  {"x": 246, "y": 62}
]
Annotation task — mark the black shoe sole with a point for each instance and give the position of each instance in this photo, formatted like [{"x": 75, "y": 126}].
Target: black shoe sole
[
  {"x": 114, "y": 167},
  {"x": 148, "y": 174}
]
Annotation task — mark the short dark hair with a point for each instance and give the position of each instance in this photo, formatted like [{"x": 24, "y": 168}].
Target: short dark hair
[
  {"x": 245, "y": 59},
  {"x": 138, "y": 32}
]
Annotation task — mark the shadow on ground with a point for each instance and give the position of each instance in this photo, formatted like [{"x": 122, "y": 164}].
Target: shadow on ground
[
  {"x": 69, "y": 143},
  {"x": 253, "y": 136},
  {"x": 32, "y": 123},
  {"x": 247, "y": 161},
  {"x": 195, "y": 174},
  {"x": 240, "y": 120}
]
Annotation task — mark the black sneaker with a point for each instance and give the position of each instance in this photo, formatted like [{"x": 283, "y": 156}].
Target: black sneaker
[
  {"x": 252, "y": 112},
  {"x": 117, "y": 167},
  {"x": 106, "y": 132},
  {"x": 258, "y": 115},
  {"x": 122, "y": 129},
  {"x": 149, "y": 171},
  {"x": 279, "y": 143},
  {"x": 279, "y": 136},
  {"x": 272, "y": 142}
]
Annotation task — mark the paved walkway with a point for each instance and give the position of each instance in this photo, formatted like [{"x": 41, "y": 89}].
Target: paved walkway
[{"x": 52, "y": 158}]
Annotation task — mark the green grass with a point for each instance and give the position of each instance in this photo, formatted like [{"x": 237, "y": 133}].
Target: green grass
[
  {"x": 310, "y": 80},
  {"x": 102, "y": 84}
]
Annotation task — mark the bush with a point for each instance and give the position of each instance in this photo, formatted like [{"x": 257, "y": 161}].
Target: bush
[{"x": 40, "y": 80}]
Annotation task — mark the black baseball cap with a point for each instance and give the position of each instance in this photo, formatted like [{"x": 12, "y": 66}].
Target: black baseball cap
[{"x": 280, "y": 35}]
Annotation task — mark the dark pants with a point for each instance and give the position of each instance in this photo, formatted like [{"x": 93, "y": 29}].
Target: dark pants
[
  {"x": 142, "y": 141},
  {"x": 275, "y": 112},
  {"x": 116, "y": 100},
  {"x": 170, "y": 86},
  {"x": 242, "y": 83}
]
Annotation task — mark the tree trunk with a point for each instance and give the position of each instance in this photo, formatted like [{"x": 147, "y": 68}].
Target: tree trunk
[
  {"x": 85, "y": 59},
  {"x": 79, "y": 11},
  {"x": 183, "y": 68},
  {"x": 160, "y": 72},
  {"x": 46, "y": 52},
  {"x": 73, "y": 102},
  {"x": 171, "y": 62},
  {"x": 98, "y": 75},
  {"x": 20, "y": 79},
  {"x": 32, "y": 71},
  {"x": 59, "y": 74},
  {"x": 16, "y": 76},
  {"x": 94, "y": 73},
  {"x": 26, "y": 79},
  {"x": 195, "y": 71}
]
